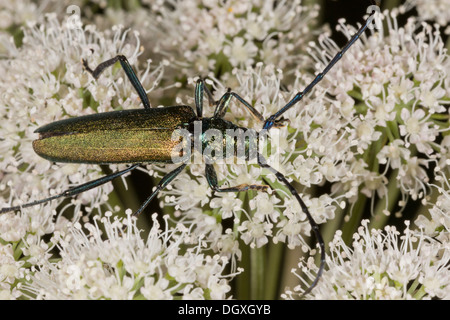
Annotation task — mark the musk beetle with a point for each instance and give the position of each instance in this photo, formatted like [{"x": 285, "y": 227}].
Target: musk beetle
[{"x": 145, "y": 136}]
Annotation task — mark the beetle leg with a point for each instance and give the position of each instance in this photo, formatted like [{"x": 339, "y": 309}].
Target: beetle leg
[
  {"x": 128, "y": 71},
  {"x": 201, "y": 87},
  {"x": 224, "y": 101},
  {"x": 161, "y": 185},
  {"x": 74, "y": 190},
  {"x": 263, "y": 163},
  {"x": 211, "y": 176}
]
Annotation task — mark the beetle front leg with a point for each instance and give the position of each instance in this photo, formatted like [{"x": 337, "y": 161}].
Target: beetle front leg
[
  {"x": 128, "y": 71},
  {"x": 201, "y": 87},
  {"x": 225, "y": 101},
  {"x": 211, "y": 176}
]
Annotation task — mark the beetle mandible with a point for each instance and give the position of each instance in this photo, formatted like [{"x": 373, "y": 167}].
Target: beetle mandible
[{"x": 139, "y": 136}]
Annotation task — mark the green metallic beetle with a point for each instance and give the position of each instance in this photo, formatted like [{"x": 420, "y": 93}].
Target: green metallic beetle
[{"x": 147, "y": 136}]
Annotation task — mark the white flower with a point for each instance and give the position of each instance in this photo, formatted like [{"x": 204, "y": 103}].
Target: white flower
[
  {"x": 438, "y": 224},
  {"x": 365, "y": 133},
  {"x": 436, "y": 10},
  {"x": 393, "y": 154},
  {"x": 11, "y": 271},
  {"x": 195, "y": 34},
  {"x": 228, "y": 203},
  {"x": 375, "y": 127},
  {"x": 412, "y": 177},
  {"x": 417, "y": 130},
  {"x": 265, "y": 207},
  {"x": 241, "y": 52},
  {"x": 186, "y": 198},
  {"x": 12, "y": 227},
  {"x": 255, "y": 232},
  {"x": 383, "y": 265},
  {"x": 125, "y": 266}
]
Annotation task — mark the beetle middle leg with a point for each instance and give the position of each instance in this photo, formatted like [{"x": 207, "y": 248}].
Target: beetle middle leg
[
  {"x": 161, "y": 185},
  {"x": 263, "y": 163},
  {"x": 128, "y": 71}
]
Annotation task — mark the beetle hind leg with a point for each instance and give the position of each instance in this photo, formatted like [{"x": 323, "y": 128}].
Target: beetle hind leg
[{"x": 211, "y": 176}]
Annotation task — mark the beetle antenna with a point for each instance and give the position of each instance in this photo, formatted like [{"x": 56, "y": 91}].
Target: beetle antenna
[{"x": 274, "y": 119}]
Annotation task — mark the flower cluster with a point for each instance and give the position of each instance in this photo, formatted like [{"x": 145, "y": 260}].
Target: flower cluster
[
  {"x": 390, "y": 111},
  {"x": 210, "y": 35},
  {"x": 430, "y": 11},
  {"x": 383, "y": 265},
  {"x": 99, "y": 262}
]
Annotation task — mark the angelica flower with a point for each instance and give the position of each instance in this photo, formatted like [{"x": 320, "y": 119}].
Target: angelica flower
[
  {"x": 417, "y": 130},
  {"x": 255, "y": 232},
  {"x": 438, "y": 224},
  {"x": 127, "y": 266},
  {"x": 435, "y": 10},
  {"x": 197, "y": 35},
  {"x": 10, "y": 271},
  {"x": 382, "y": 265},
  {"x": 240, "y": 52}
]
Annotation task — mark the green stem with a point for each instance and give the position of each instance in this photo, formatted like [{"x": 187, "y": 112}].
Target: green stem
[
  {"x": 272, "y": 272},
  {"x": 243, "y": 279},
  {"x": 420, "y": 293},
  {"x": 390, "y": 4},
  {"x": 393, "y": 191},
  {"x": 355, "y": 218},
  {"x": 329, "y": 229},
  {"x": 257, "y": 266}
]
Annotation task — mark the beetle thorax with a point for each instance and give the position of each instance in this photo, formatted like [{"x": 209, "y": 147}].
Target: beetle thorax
[{"x": 217, "y": 139}]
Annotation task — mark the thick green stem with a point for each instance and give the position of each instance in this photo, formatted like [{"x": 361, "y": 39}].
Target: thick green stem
[
  {"x": 393, "y": 191},
  {"x": 355, "y": 219},
  {"x": 257, "y": 266},
  {"x": 272, "y": 272},
  {"x": 329, "y": 229},
  {"x": 243, "y": 279},
  {"x": 389, "y": 5}
]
